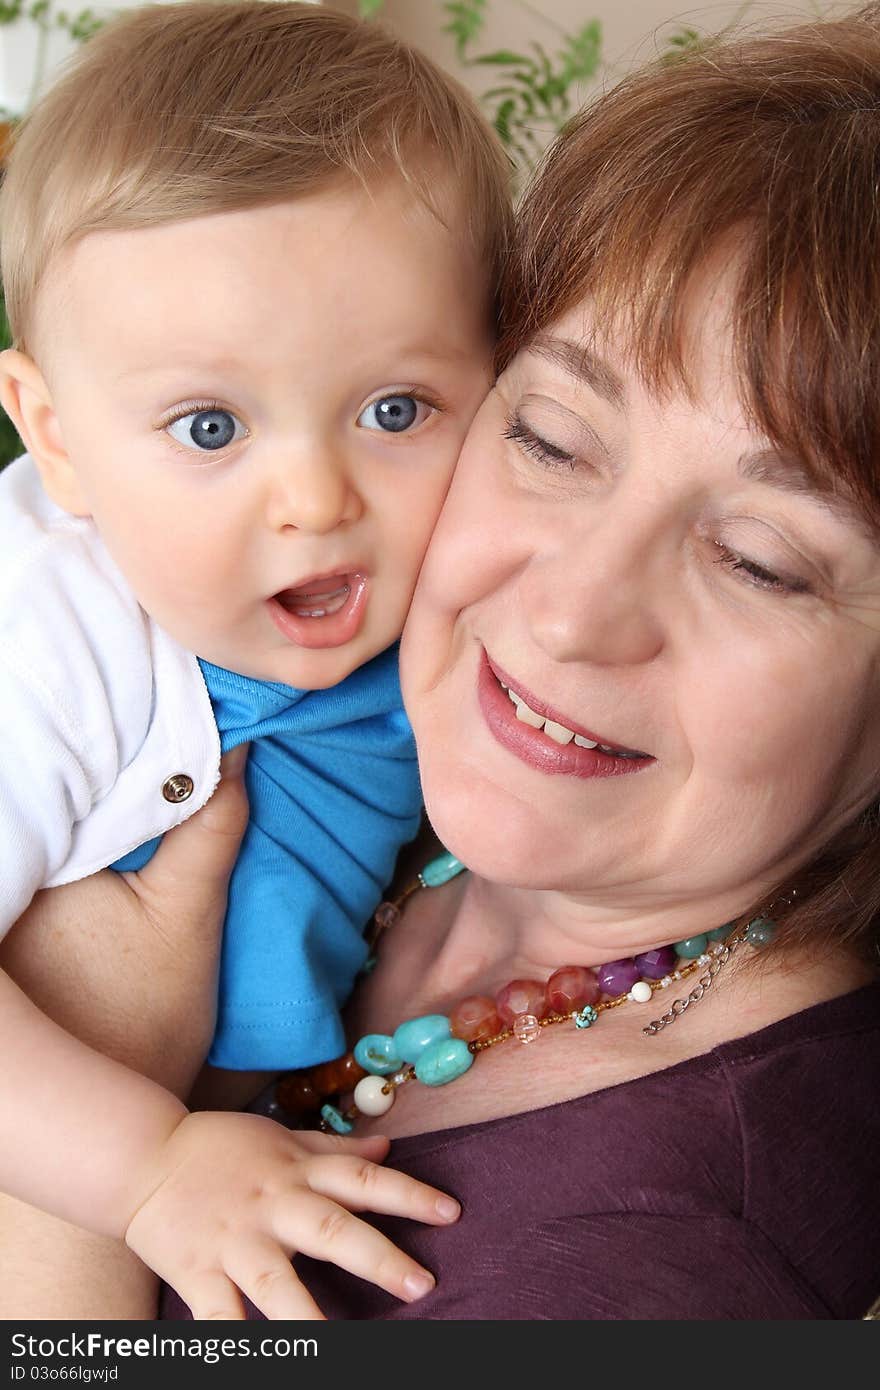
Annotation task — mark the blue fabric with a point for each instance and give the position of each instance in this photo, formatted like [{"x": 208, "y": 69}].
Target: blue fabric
[{"x": 334, "y": 792}]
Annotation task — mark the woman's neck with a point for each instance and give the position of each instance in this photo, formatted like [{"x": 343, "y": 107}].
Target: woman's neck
[{"x": 497, "y": 933}]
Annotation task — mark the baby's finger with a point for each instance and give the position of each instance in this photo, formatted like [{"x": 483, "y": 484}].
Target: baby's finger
[
  {"x": 363, "y": 1186},
  {"x": 265, "y": 1275},
  {"x": 320, "y": 1228},
  {"x": 211, "y": 1297},
  {"x": 375, "y": 1147}
]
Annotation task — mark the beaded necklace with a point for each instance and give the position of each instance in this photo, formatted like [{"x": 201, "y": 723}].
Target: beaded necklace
[{"x": 436, "y": 1049}]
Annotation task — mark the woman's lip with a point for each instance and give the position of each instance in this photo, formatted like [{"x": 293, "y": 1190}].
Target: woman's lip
[
  {"x": 547, "y": 712},
  {"x": 534, "y": 747},
  {"x": 331, "y": 629}
]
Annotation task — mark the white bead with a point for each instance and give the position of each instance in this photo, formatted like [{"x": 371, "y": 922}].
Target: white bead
[
  {"x": 641, "y": 992},
  {"x": 370, "y": 1098}
]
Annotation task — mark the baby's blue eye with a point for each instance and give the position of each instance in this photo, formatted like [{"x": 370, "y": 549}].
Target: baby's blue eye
[
  {"x": 207, "y": 429},
  {"x": 394, "y": 414}
]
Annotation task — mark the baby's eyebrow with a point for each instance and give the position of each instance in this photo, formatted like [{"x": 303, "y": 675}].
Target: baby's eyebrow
[
  {"x": 790, "y": 474},
  {"x": 175, "y": 368}
]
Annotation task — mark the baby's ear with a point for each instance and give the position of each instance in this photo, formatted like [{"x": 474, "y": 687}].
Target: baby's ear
[{"x": 26, "y": 399}]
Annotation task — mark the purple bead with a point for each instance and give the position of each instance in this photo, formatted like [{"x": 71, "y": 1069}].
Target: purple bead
[
  {"x": 617, "y": 977},
  {"x": 653, "y": 965}
]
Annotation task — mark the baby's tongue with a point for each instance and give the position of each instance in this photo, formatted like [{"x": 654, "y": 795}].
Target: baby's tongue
[{"x": 317, "y": 597}]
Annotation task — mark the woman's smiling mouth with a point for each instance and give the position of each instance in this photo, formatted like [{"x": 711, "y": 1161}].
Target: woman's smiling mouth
[{"x": 531, "y": 730}]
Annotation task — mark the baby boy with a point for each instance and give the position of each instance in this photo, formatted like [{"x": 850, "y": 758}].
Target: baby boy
[{"x": 248, "y": 252}]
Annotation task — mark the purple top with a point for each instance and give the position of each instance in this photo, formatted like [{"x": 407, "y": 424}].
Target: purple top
[{"x": 743, "y": 1184}]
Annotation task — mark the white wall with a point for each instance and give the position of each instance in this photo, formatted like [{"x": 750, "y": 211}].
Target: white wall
[{"x": 29, "y": 55}]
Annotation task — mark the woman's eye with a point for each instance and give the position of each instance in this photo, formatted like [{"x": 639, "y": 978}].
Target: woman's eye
[
  {"x": 551, "y": 455},
  {"x": 759, "y": 575},
  {"x": 394, "y": 414},
  {"x": 207, "y": 429}
]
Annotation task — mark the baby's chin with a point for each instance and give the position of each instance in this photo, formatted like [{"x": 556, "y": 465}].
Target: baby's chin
[{"x": 297, "y": 667}]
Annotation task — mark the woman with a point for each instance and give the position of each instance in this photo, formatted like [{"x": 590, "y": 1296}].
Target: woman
[{"x": 643, "y": 667}]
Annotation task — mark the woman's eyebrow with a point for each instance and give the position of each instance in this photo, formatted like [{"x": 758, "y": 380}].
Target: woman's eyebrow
[
  {"x": 584, "y": 365},
  {"x": 790, "y": 474}
]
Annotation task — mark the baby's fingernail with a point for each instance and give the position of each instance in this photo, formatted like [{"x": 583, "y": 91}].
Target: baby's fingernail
[
  {"x": 447, "y": 1208},
  {"x": 417, "y": 1285}
]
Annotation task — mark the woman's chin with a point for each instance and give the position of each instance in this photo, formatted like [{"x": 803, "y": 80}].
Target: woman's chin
[{"x": 500, "y": 837}]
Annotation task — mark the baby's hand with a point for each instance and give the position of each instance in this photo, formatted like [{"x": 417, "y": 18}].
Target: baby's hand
[{"x": 233, "y": 1197}]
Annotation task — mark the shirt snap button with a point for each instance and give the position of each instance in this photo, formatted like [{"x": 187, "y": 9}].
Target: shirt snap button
[{"x": 178, "y": 788}]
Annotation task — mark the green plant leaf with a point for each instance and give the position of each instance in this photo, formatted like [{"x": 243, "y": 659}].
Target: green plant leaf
[
  {"x": 367, "y": 8},
  {"x": 582, "y": 53},
  {"x": 10, "y": 444},
  {"x": 502, "y": 119},
  {"x": 466, "y": 21},
  {"x": 505, "y": 58},
  {"x": 522, "y": 95}
]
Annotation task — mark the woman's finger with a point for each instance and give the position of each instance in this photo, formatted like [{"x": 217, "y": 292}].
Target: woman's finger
[
  {"x": 363, "y": 1186},
  {"x": 191, "y": 867},
  {"x": 212, "y": 1297},
  {"x": 265, "y": 1275},
  {"x": 319, "y": 1228}
]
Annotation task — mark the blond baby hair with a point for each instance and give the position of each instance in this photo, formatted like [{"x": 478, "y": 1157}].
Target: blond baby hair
[{"x": 176, "y": 111}]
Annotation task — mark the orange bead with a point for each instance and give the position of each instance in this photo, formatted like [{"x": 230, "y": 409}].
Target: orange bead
[
  {"x": 350, "y": 1071},
  {"x": 297, "y": 1095},
  {"x": 521, "y": 997},
  {"x": 571, "y": 988},
  {"x": 332, "y": 1078},
  {"x": 475, "y": 1019}
]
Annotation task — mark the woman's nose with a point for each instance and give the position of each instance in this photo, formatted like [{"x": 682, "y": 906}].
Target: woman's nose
[
  {"x": 597, "y": 602},
  {"x": 312, "y": 492}
]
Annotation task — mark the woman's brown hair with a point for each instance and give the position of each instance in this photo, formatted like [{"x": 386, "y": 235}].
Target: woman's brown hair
[{"x": 767, "y": 148}]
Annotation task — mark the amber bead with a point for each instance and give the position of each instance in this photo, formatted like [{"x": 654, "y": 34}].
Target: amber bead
[
  {"x": 475, "y": 1019},
  {"x": 332, "y": 1078},
  {"x": 386, "y": 915},
  {"x": 571, "y": 988},
  {"x": 297, "y": 1095},
  {"x": 521, "y": 997}
]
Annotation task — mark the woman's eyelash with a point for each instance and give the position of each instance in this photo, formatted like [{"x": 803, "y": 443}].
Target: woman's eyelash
[
  {"x": 758, "y": 575},
  {"x": 550, "y": 454}
]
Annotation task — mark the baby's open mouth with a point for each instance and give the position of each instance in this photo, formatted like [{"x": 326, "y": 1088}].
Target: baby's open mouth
[{"x": 317, "y": 598}]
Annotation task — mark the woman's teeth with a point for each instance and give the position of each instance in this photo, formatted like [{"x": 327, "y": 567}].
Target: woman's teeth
[{"x": 558, "y": 732}]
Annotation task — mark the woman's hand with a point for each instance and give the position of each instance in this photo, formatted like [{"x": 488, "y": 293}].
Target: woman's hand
[
  {"x": 233, "y": 1197},
  {"x": 128, "y": 962}
]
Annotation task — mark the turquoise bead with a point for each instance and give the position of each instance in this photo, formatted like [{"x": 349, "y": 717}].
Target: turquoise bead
[
  {"x": 337, "y": 1121},
  {"x": 375, "y": 1052},
  {"x": 412, "y": 1037},
  {"x": 720, "y": 933},
  {"x": 441, "y": 870},
  {"x": 586, "y": 1017},
  {"x": 692, "y": 946},
  {"x": 760, "y": 931},
  {"x": 444, "y": 1061}
]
